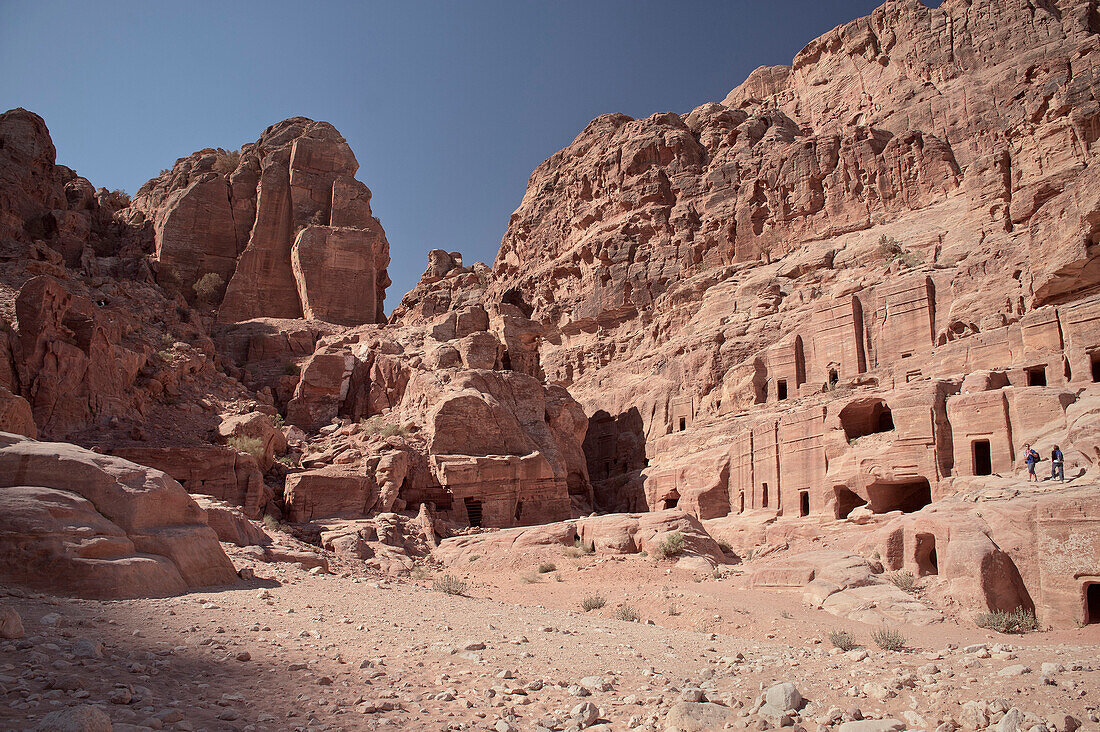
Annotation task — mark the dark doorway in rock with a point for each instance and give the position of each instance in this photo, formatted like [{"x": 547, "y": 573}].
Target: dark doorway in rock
[
  {"x": 1092, "y": 603},
  {"x": 799, "y": 362},
  {"x": 764, "y": 496},
  {"x": 846, "y": 501},
  {"x": 742, "y": 502},
  {"x": 857, "y": 322},
  {"x": 834, "y": 377},
  {"x": 473, "y": 511},
  {"x": 683, "y": 423},
  {"x": 983, "y": 458},
  {"x": 1095, "y": 357},
  {"x": 927, "y": 561},
  {"x": 781, "y": 389},
  {"x": 519, "y": 510},
  {"x": 671, "y": 501},
  {"x": 804, "y": 503},
  {"x": 907, "y": 496},
  {"x": 506, "y": 362},
  {"x": 1037, "y": 376}
]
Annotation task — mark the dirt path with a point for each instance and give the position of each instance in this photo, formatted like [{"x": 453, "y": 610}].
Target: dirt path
[{"x": 303, "y": 651}]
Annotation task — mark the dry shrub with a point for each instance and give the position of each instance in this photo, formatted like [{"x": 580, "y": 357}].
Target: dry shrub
[
  {"x": 253, "y": 446},
  {"x": 1020, "y": 620},
  {"x": 888, "y": 639},
  {"x": 450, "y": 585},
  {"x": 842, "y": 639},
  {"x": 208, "y": 287},
  {"x": 593, "y": 602},
  {"x": 627, "y": 614},
  {"x": 671, "y": 546}
]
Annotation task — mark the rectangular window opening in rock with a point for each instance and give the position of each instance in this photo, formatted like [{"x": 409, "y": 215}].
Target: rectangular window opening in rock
[{"x": 1037, "y": 376}]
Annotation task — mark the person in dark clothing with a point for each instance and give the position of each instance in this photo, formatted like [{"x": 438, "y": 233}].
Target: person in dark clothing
[
  {"x": 1031, "y": 459},
  {"x": 1057, "y": 465}
]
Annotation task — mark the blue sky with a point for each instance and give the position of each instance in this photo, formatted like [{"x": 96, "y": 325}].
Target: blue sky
[{"x": 448, "y": 106}]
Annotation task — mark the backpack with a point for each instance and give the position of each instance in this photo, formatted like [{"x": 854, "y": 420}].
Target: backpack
[{"x": 1033, "y": 456}]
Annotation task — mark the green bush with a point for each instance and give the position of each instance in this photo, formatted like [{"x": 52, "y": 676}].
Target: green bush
[
  {"x": 376, "y": 425},
  {"x": 545, "y": 567},
  {"x": 253, "y": 446},
  {"x": 671, "y": 546},
  {"x": 593, "y": 602},
  {"x": 891, "y": 250},
  {"x": 1020, "y": 620},
  {"x": 888, "y": 639},
  {"x": 449, "y": 584},
  {"x": 208, "y": 287},
  {"x": 292, "y": 369},
  {"x": 842, "y": 639}
]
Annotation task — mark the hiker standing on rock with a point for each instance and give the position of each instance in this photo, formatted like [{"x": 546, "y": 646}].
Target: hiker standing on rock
[
  {"x": 1031, "y": 459},
  {"x": 1057, "y": 464}
]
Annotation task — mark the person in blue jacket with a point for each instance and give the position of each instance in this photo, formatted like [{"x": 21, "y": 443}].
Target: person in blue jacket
[
  {"x": 1057, "y": 465},
  {"x": 1031, "y": 459}
]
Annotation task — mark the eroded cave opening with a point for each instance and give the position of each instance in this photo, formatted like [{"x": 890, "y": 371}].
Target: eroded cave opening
[
  {"x": 1092, "y": 603},
  {"x": 905, "y": 496},
  {"x": 846, "y": 501},
  {"x": 927, "y": 561},
  {"x": 861, "y": 418}
]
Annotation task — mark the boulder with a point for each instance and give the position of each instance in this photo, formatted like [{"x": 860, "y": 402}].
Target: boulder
[
  {"x": 330, "y": 491},
  {"x": 230, "y": 524},
  {"x": 98, "y": 526}
]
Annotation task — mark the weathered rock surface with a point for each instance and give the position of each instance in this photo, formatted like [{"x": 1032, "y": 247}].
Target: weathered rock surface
[
  {"x": 104, "y": 527},
  {"x": 777, "y": 306},
  {"x": 282, "y": 223}
]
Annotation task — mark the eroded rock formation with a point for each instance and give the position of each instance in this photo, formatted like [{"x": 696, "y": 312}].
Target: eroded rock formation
[
  {"x": 282, "y": 224},
  {"x": 91, "y": 525},
  {"x": 855, "y": 281}
]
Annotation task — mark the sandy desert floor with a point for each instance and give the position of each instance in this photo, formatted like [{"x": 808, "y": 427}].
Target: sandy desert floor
[{"x": 294, "y": 650}]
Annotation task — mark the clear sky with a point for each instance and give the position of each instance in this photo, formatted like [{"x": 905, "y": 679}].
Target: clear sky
[{"x": 448, "y": 106}]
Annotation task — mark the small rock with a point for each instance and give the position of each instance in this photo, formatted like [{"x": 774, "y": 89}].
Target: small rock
[
  {"x": 585, "y": 714},
  {"x": 11, "y": 625},
  {"x": 1016, "y": 669},
  {"x": 784, "y": 696}
]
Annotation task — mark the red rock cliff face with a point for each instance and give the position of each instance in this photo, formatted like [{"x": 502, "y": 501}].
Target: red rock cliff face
[
  {"x": 283, "y": 224},
  {"x": 915, "y": 198}
]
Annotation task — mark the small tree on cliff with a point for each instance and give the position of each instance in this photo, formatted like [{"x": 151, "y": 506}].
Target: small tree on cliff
[{"x": 208, "y": 287}]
